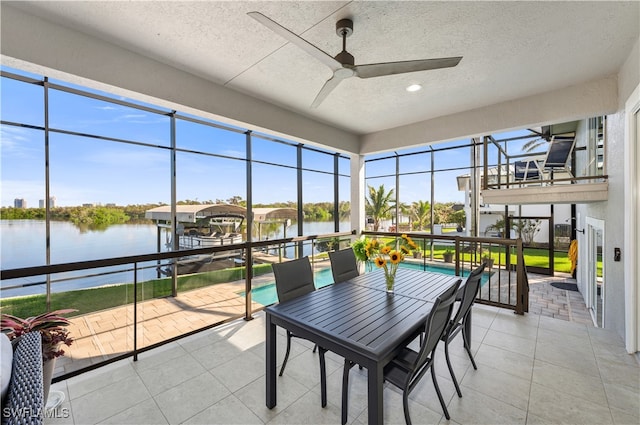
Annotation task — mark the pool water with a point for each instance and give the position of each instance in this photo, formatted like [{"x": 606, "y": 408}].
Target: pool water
[{"x": 266, "y": 294}]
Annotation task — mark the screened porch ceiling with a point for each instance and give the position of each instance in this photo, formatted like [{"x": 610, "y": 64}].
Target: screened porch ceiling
[{"x": 510, "y": 50}]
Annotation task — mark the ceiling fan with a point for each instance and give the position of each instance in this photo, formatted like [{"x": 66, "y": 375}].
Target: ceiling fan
[{"x": 343, "y": 65}]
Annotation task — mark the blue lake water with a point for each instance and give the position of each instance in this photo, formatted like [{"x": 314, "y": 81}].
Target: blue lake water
[
  {"x": 266, "y": 294},
  {"x": 23, "y": 244}
]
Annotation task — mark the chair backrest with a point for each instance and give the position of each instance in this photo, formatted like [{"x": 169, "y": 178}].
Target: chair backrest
[
  {"x": 435, "y": 326},
  {"x": 525, "y": 170},
  {"x": 559, "y": 152},
  {"x": 469, "y": 293},
  {"x": 344, "y": 265},
  {"x": 293, "y": 278}
]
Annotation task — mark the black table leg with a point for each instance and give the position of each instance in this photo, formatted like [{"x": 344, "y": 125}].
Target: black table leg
[
  {"x": 270, "y": 362},
  {"x": 375, "y": 394}
]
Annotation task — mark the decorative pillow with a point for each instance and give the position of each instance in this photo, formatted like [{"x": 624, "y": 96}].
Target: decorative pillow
[{"x": 6, "y": 361}]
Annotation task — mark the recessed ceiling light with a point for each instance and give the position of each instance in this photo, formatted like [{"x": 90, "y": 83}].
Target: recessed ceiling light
[{"x": 414, "y": 87}]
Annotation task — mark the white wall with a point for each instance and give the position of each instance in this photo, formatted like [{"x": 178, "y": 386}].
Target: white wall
[{"x": 612, "y": 213}]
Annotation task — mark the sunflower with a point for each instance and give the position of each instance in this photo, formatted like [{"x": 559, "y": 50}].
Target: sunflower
[
  {"x": 380, "y": 262},
  {"x": 409, "y": 242},
  {"x": 395, "y": 257}
]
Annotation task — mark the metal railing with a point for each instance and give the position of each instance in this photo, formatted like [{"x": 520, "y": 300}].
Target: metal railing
[
  {"x": 504, "y": 284},
  {"x": 155, "y": 301}
]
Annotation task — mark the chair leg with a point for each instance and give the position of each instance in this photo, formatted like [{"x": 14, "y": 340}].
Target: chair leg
[
  {"x": 286, "y": 356},
  {"x": 323, "y": 377},
  {"x": 405, "y": 406},
  {"x": 467, "y": 347},
  {"x": 435, "y": 384},
  {"x": 345, "y": 389},
  {"x": 453, "y": 375}
]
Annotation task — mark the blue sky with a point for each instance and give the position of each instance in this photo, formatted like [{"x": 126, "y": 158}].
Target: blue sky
[{"x": 86, "y": 170}]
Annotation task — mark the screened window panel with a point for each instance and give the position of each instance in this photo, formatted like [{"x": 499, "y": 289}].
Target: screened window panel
[{"x": 80, "y": 114}]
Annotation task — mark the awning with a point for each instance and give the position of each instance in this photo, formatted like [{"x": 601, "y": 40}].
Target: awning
[
  {"x": 266, "y": 215},
  {"x": 193, "y": 213}
]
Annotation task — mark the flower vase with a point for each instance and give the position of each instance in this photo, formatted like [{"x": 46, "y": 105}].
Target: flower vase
[
  {"x": 47, "y": 375},
  {"x": 390, "y": 280}
]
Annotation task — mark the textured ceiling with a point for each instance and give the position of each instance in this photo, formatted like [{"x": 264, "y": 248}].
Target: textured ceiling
[{"x": 510, "y": 49}]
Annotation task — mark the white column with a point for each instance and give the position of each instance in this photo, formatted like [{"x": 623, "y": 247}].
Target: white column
[{"x": 357, "y": 193}]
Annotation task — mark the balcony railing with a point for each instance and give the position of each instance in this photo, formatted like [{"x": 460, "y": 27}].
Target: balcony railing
[
  {"x": 137, "y": 303},
  {"x": 162, "y": 297},
  {"x": 504, "y": 284}
]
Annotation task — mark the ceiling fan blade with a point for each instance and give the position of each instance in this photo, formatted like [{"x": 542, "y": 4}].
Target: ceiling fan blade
[
  {"x": 297, "y": 40},
  {"x": 391, "y": 68},
  {"x": 328, "y": 87}
]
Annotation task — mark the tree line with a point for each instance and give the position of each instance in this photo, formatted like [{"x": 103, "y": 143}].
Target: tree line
[{"x": 380, "y": 205}]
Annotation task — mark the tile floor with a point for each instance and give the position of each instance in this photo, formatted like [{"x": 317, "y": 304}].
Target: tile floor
[{"x": 532, "y": 369}]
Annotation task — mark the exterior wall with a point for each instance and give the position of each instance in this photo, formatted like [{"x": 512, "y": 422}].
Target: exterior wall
[{"x": 612, "y": 213}]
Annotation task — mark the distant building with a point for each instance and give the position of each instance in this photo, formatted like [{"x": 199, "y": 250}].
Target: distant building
[
  {"x": 88, "y": 205},
  {"x": 20, "y": 203},
  {"x": 111, "y": 204},
  {"x": 52, "y": 202}
]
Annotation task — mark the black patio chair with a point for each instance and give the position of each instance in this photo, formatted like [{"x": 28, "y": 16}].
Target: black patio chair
[
  {"x": 408, "y": 367},
  {"x": 526, "y": 170},
  {"x": 558, "y": 154},
  {"x": 469, "y": 292},
  {"x": 343, "y": 265},
  {"x": 293, "y": 279}
]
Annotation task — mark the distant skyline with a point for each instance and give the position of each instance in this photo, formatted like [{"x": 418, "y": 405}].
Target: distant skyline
[{"x": 92, "y": 171}]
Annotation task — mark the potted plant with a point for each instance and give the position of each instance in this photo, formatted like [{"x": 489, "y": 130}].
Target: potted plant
[
  {"x": 486, "y": 258},
  {"x": 52, "y": 328},
  {"x": 448, "y": 255}
]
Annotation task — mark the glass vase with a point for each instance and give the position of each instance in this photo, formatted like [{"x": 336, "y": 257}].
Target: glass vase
[{"x": 390, "y": 280}]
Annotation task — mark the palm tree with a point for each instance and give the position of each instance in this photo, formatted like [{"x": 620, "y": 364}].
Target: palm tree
[
  {"x": 421, "y": 213},
  {"x": 534, "y": 144},
  {"x": 379, "y": 204}
]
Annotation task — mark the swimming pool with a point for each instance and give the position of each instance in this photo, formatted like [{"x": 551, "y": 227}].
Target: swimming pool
[{"x": 266, "y": 294}]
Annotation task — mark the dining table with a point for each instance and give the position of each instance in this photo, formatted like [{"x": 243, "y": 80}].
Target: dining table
[{"x": 359, "y": 320}]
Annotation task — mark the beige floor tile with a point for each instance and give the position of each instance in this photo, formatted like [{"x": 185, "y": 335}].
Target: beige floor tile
[
  {"x": 585, "y": 387},
  {"x": 580, "y": 361},
  {"x": 477, "y": 408},
  {"x": 531, "y": 369},
  {"x": 146, "y": 412},
  {"x": 185, "y": 400},
  {"x": 229, "y": 410},
  {"x": 109, "y": 400},
  {"x": 510, "y": 342},
  {"x": 505, "y": 360},
  {"x": 561, "y": 407},
  {"x": 500, "y": 385}
]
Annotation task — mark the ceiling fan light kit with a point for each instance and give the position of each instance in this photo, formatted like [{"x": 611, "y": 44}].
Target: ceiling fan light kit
[{"x": 343, "y": 64}]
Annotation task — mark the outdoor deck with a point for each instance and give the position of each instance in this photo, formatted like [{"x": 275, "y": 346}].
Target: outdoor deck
[
  {"x": 106, "y": 334},
  {"x": 532, "y": 369}
]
